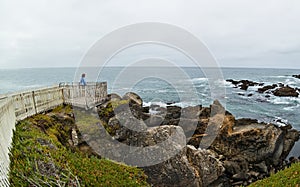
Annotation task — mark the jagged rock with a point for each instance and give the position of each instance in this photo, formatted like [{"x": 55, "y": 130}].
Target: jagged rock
[
  {"x": 217, "y": 108},
  {"x": 133, "y": 97},
  {"x": 296, "y": 76},
  {"x": 255, "y": 142},
  {"x": 247, "y": 149},
  {"x": 266, "y": 88},
  {"x": 146, "y": 109},
  {"x": 291, "y": 136},
  {"x": 113, "y": 97},
  {"x": 236, "y": 165},
  {"x": 244, "y": 84},
  {"x": 175, "y": 172},
  {"x": 130, "y": 128},
  {"x": 261, "y": 167},
  {"x": 205, "y": 164},
  {"x": 190, "y": 167},
  {"x": 173, "y": 112},
  {"x": 286, "y": 92},
  {"x": 192, "y": 112},
  {"x": 240, "y": 176}
]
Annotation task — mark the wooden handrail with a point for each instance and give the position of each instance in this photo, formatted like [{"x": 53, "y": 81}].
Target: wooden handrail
[{"x": 18, "y": 106}]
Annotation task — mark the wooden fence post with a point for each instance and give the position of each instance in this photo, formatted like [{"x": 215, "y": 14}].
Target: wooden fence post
[{"x": 34, "y": 103}]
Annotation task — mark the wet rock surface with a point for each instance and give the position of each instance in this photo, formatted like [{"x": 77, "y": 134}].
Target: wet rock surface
[
  {"x": 220, "y": 150},
  {"x": 297, "y": 76},
  {"x": 286, "y": 92},
  {"x": 278, "y": 89},
  {"x": 244, "y": 84}
]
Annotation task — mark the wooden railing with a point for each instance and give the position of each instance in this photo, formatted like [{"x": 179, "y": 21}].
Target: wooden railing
[
  {"x": 18, "y": 106},
  {"x": 87, "y": 96}
]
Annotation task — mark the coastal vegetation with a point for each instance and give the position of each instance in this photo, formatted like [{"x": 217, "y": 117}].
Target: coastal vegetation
[
  {"x": 43, "y": 154},
  {"x": 56, "y": 148},
  {"x": 289, "y": 177}
]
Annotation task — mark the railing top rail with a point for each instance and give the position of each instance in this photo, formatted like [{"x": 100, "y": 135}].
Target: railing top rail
[
  {"x": 3, "y": 96},
  {"x": 63, "y": 84}
]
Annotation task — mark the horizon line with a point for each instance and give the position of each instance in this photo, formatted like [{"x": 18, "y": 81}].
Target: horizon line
[{"x": 234, "y": 67}]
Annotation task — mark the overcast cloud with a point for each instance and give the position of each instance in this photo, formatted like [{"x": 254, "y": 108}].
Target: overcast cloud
[{"x": 239, "y": 33}]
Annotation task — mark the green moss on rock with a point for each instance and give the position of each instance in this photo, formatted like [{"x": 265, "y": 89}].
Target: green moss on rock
[{"x": 289, "y": 177}]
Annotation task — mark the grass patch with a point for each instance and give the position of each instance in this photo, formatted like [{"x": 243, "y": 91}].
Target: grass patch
[
  {"x": 289, "y": 177},
  {"x": 40, "y": 157}
]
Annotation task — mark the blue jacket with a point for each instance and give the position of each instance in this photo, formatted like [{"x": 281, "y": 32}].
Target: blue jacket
[{"x": 82, "y": 82}]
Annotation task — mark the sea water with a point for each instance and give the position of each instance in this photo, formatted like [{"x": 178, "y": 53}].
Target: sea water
[{"x": 176, "y": 89}]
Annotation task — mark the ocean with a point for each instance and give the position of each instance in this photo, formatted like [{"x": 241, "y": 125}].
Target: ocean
[{"x": 188, "y": 86}]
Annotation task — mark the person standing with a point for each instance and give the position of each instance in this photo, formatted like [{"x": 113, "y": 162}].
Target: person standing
[
  {"x": 82, "y": 80},
  {"x": 82, "y": 85}
]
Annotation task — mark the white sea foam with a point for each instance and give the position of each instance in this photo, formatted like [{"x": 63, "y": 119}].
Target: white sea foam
[
  {"x": 280, "y": 101},
  {"x": 279, "y": 76},
  {"x": 201, "y": 79},
  {"x": 159, "y": 103},
  {"x": 291, "y": 108},
  {"x": 280, "y": 121},
  {"x": 290, "y": 82},
  {"x": 285, "y": 100},
  {"x": 33, "y": 86},
  {"x": 223, "y": 82}
]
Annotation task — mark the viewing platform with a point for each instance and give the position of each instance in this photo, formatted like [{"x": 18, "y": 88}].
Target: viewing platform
[{"x": 18, "y": 106}]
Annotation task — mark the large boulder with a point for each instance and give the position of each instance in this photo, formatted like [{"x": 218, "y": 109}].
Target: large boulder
[
  {"x": 206, "y": 164},
  {"x": 176, "y": 171},
  {"x": 256, "y": 142},
  {"x": 190, "y": 167}
]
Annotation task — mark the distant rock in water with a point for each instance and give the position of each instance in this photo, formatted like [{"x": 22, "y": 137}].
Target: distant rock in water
[
  {"x": 296, "y": 76},
  {"x": 237, "y": 151},
  {"x": 244, "y": 84},
  {"x": 266, "y": 88},
  {"x": 286, "y": 92},
  {"x": 279, "y": 89}
]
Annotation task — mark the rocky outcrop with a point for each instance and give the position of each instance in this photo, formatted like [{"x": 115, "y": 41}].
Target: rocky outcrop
[
  {"x": 296, "y": 76},
  {"x": 266, "y": 88},
  {"x": 279, "y": 89},
  {"x": 244, "y": 84},
  {"x": 286, "y": 92},
  {"x": 237, "y": 152}
]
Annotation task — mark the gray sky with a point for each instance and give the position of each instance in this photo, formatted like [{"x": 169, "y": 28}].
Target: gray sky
[{"x": 239, "y": 33}]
